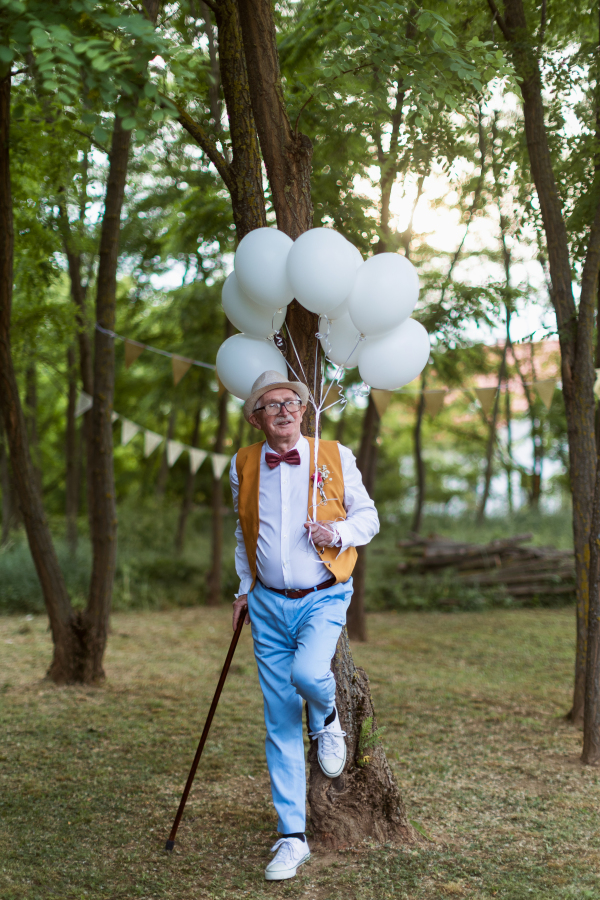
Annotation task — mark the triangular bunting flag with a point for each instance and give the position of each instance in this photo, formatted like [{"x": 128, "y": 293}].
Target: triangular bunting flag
[
  {"x": 113, "y": 417},
  {"x": 219, "y": 462},
  {"x": 197, "y": 457},
  {"x": 84, "y": 402},
  {"x": 221, "y": 387},
  {"x": 128, "y": 431},
  {"x": 132, "y": 350},
  {"x": 545, "y": 390},
  {"x": 597, "y": 384},
  {"x": 381, "y": 399},
  {"x": 174, "y": 451},
  {"x": 151, "y": 442},
  {"x": 434, "y": 400},
  {"x": 180, "y": 367},
  {"x": 486, "y": 397}
]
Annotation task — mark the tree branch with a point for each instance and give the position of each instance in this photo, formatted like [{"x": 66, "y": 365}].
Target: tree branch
[
  {"x": 205, "y": 142},
  {"x": 498, "y": 18}
]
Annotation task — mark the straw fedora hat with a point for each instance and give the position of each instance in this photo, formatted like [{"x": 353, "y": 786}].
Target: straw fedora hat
[{"x": 269, "y": 381}]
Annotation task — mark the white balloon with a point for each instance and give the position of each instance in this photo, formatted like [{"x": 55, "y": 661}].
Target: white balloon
[
  {"x": 342, "y": 309},
  {"x": 247, "y": 315},
  {"x": 242, "y": 358},
  {"x": 342, "y": 345},
  {"x": 320, "y": 268},
  {"x": 260, "y": 267},
  {"x": 395, "y": 359},
  {"x": 385, "y": 292}
]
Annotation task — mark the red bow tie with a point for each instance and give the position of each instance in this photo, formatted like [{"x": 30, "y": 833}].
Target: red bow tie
[{"x": 292, "y": 458}]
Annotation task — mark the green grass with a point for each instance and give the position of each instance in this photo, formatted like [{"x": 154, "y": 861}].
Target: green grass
[{"x": 473, "y": 708}]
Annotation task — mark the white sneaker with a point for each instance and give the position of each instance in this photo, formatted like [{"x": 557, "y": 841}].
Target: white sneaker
[
  {"x": 292, "y": 853},
  {"x": 331, "y": 751}
]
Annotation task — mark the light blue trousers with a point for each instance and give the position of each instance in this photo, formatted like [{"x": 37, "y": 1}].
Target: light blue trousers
[{"x": 294, "y": 642}]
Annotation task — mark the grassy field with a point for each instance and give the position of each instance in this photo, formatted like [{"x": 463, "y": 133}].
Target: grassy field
[{"x": 473, "y": 704}]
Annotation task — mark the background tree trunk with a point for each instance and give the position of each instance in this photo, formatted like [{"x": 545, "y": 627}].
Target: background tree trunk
[
  {"x": 591, "y": 720},
  {"x": 419, "y": 461},
  {"x": 187, "y": 501},
  {"x": 367, "y": 464},
  {"x": 8, "y": 498},
  {"x": 214, "y": 580},
  {"x": 575, "y": 325},
  {"x": 491, "y": 442},
  {"x": 364, "y": 801},
  {"x": 73, "y": 467},
  {"x": 42, "y": 549},
  {"x": 163, "y": 472}
]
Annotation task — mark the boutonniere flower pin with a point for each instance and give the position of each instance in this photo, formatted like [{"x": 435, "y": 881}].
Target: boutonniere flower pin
[{"x": 323, "y": 476}]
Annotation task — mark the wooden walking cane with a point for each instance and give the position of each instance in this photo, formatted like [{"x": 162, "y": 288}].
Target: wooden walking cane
[{"x": 213, "y": 706}]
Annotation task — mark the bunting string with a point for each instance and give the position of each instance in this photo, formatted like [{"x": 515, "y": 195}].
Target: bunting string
[
  {"x": 129, "y": 429},
  {"x": 134, "y": 349}
]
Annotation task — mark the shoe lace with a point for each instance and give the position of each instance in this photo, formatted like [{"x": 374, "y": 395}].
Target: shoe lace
[
  {"x": 287, "y": 852},
  {"x": 328, "y": 744}
]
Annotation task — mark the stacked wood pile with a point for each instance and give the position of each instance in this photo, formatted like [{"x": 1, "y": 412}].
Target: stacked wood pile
[{"x": 525, "y": 572}]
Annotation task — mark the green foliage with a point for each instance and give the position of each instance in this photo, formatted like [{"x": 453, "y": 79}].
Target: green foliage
[{"x": 367, "y": 739}]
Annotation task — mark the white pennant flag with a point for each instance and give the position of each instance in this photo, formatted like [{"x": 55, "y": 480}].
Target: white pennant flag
[
  {"x": 128, "y": 431},
  {"x": 151, "y": 442},
  {"x": 197, "y": 457},
  {"x": 113, "y": 416},
  {"x": 174, "y": 451},
  {"x": 219, "y": 461},
  {"x": 84, "y": 402}
]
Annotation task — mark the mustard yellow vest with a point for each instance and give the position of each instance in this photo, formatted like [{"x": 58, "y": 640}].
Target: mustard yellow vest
[{"x": 248, "y": 472}]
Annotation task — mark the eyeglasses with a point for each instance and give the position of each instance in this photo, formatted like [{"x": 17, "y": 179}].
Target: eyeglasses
[{"x": 273, "y": 409}]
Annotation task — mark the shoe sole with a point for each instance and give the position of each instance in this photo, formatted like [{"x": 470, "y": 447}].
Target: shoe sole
[
  {"x": 339, "y": 772},
  {"x": 286, "y": 873}
]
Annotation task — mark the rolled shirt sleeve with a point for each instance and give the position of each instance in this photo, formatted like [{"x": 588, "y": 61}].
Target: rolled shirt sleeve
[
  {"x": 242, "y": 566},
  {"x": 362, "y": 522}
]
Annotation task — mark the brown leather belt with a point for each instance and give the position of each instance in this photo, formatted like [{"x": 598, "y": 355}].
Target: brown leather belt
[{"x": 298, "y": 594}]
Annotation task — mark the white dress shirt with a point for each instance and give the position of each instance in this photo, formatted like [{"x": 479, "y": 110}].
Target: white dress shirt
[{"x": 285, "y": 558}]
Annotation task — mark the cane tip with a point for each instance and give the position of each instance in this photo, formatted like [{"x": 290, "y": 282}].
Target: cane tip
[{"x": 169, "y": 846}]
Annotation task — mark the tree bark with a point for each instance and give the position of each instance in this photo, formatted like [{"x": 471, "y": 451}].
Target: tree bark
[
  {"x": 367, "y": 464},
  {"x": 419, "y": 461},
  {"x": 187, "y": 501},
  {"x": 214, "y": 580},
  {"x": 86, "y": 367},
  {"x": 8, "y": 499},
  {"x": 288, "y": 156},
  {"x": 575, "y": 326},
  {"x": 71, "y": 457},
  {"x": 364, "y": 801},
  {"x": 591, "y": 719},
  {"x": 31, "y": 408},
  {"x": 42, "y": 549},
  {"x": 163, "y": 472},
  {"x": 489, "y": 455}
]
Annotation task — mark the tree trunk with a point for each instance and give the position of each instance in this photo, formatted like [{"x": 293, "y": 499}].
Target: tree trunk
[
  {"x": 419, "y": 461},
  {"x": 163, "y": 472},
  {"x": 364, "y": 801},
  {"x": 214, "y": 580},
  {"x": 53, "y": 586},
  {"x": 187, "y": 501},
  {"x": 367, "y": 464},
  {"x": 489, "y": 456},
  {"x": 72, "y": 458},
  {"x": 8, "y": 498},
  {"x": 575, "y": 326},
  {"x": 86, "y": 366},
  {"x": 591, "y": 719},
  {"x": 287, "y": 154},
  {"x": 31, "y": 421}
]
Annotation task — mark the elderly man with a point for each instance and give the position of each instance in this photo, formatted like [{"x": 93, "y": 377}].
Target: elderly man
[{"x": 295, "y": 566}]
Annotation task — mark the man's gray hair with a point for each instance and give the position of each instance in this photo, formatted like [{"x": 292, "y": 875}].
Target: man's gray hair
[{"x": 298, "y": 397}]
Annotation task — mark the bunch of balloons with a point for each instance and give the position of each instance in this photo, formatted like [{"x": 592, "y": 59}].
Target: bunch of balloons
[{"x": 365, "y": 308}]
